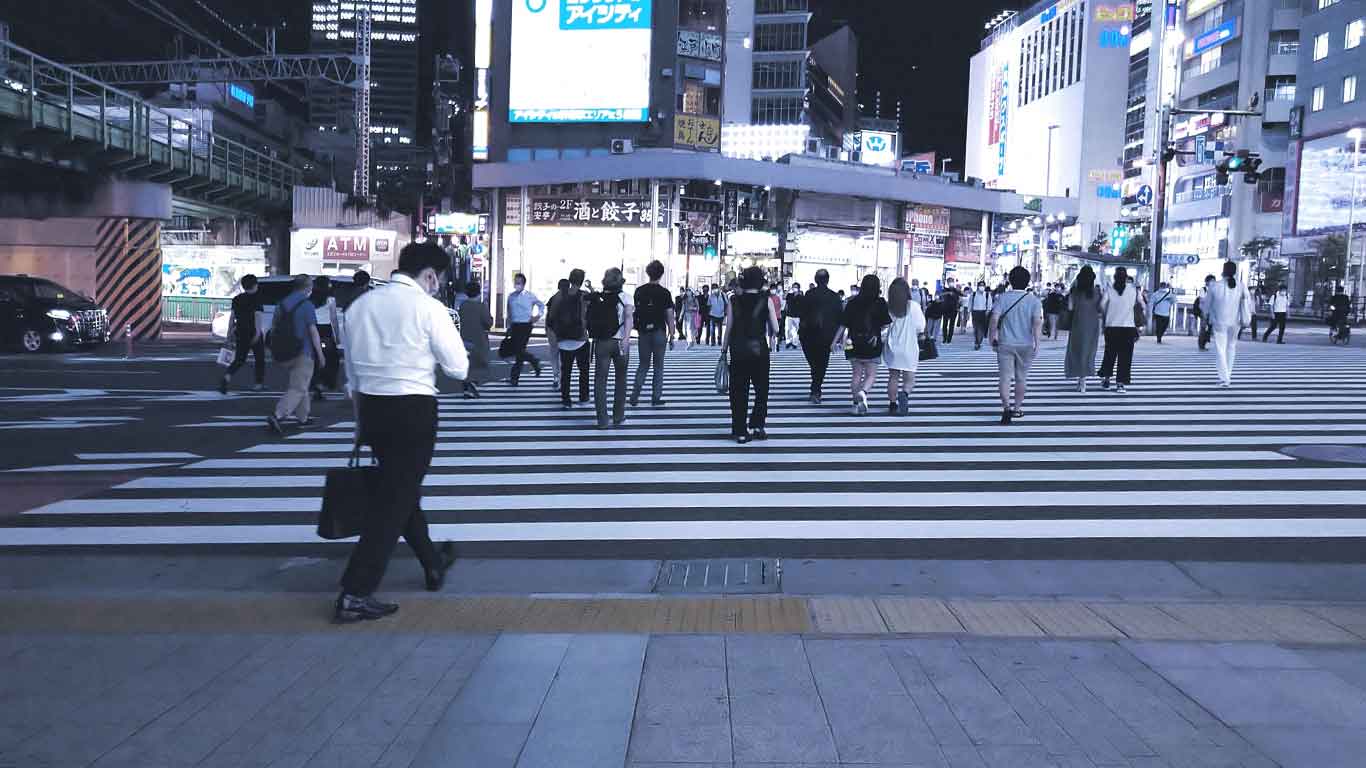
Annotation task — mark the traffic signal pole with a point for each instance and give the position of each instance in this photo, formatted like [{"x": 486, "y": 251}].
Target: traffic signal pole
[{"x": 1160, "y": 198}]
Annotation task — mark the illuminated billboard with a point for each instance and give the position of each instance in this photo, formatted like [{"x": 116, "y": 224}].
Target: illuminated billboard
[
  {"x": 580, "y": 61},
  {"x": 1325, "y": 186}
]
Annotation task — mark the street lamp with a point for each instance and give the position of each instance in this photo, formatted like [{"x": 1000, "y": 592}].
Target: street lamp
[{"x": 1355, "y": 135}]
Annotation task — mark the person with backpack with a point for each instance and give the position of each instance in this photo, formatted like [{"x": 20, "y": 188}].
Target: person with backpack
[
  {"x": 655, "y": 321},
  {"x": 864, "y": 318},
  {"x": 1163, "y": 301},
  {"x": 750, "y": 321},
  {"x": 1228, "y": 306},
  {"x": 818, "y": 330},
  {"x": 980, "y": 305},
  {"x": 294, "y": 343},
  {"x": 552, "y": 344},
  {"x": 1053, "y": 302},
  {"x": 934, "y": 317},
  {"x": 569, "y": 318},
  {"x": 902, "y": 353},
  {"x": 609, "y": 325},
  {"x": 1119, "y": 308},
  {"x": 1016, "y": 332}
]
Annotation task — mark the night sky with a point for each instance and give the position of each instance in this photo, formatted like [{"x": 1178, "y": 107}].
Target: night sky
[{"x": 915, "y": 50}]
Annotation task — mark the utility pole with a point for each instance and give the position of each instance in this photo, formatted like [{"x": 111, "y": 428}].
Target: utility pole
[
  {"x": 361, "y": 180},
  {"x": 1164, "y": 132}
]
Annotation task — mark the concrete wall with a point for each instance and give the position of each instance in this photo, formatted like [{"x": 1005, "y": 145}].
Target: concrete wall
[
  {"x": 62, "y": 250},
  {"x": 736, "y": 103}
]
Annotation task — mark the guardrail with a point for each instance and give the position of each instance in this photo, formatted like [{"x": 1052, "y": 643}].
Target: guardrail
[
  {"x": 142, "y": 140},
  {"x": 192, "y": 309}
]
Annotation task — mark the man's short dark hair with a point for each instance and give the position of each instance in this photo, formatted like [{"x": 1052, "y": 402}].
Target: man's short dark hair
[
  {"x": 472, "y": 290},
  {"x": 518, "y": 276},
  {"x": 752, "y": 278},
  {"x": 361, "y": 278},
  {"x": 1019, "y": 278},
  {"x": 416, "y": 257},
  {"x": 301, "y": 282},
  {"x": 249, "y": 282},
  {"x": 655, "y": 269},
  {"x": 822, "y": 277},
  {"x": 576, "y": 277}
]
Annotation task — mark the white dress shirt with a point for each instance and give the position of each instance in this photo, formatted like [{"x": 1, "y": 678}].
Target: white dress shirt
[
  {"x": 1281, "y": 303},
  {"x": 396, "y": 336}
]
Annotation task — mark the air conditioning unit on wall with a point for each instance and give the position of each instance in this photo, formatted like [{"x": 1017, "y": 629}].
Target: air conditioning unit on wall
[{"x": 622, "y": 147}]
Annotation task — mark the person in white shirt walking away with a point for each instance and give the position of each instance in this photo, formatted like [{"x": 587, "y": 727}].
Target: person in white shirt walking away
[
  {"x": 901, "y": 354},
  {"x": 396, "y": 336},
  {"x": 1016, "y": 331},
  {"x": 1120, "y": 307},
  {"x": 1280, "y": 307},
  {"x": 1228, "y": 308}
]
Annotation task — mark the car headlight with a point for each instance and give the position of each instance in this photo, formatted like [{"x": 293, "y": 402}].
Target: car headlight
[{"x": 59, "y": 314}]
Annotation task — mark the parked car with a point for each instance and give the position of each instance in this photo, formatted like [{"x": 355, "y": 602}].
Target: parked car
[{"x": 38, "y": 314}]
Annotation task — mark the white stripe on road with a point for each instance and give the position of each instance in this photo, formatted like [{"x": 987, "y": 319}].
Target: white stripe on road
[
  {"x": 106, "y": 467},
  {"x": 136, "y": 455},
  {"x": 712, "y": 476},
  {"x": 718, "y": 530},
  {"x": 746, "y": 457},
  {"x": 776, "y": 500}
]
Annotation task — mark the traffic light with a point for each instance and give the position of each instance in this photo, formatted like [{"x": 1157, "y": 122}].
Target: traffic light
[
  {"x": 1243, "y": 162},
  {"x": 1251, "y": 174}
]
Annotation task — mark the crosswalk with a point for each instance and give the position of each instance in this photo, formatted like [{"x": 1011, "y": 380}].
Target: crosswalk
[{"x": 1175, "y": 462}]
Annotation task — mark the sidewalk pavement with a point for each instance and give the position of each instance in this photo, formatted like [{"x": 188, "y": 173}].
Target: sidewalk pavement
[{"x": 220, "y": 662}]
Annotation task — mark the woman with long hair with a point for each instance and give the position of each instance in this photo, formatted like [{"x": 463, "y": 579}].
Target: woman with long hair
[
  {"x": 1228, "y": 309},
  {"x": 864, "y": 318},
  {"x": 750, "y": 320},
  {"x": 902, "y": 352},
  {"x": 1082, "y": 341},
  {"x": 1120, "y": 307}
]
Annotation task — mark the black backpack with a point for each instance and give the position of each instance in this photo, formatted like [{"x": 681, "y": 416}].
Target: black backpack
[
  {"x": 649, "y": 317},
  {"x": 568, "y": 320},
  {"x": 602, "y": 315},
  {"x": 285, "y": 344}
]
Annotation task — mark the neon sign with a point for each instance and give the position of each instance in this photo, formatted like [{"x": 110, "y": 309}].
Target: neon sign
[{"x": 1115, "y": 13}]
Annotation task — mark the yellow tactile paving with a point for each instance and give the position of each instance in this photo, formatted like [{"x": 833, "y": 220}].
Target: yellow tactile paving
[
  {"x": 915, "y": 615},
  {"x": 237, "y": 613},
  {"x": 1066, "y": 619},
  {"x": 846, "y": 616},
  {"x": 994, "y": 619}
]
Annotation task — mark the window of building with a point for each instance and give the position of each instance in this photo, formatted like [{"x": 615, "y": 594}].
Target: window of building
[
  {"x": 780, "y": 6},
  {"x": 1349, "y": 89},
  {"x": 1285, "y": 43},
  {"x": 1355, "y": 30},
  {"x": 699, "y": 99},
  {"x": 1050, "y": 57},
  {"x": 1321, "y": 47},
  {"x": 1210, "y": 60},
  {"x": 1326, "y": 3},
  {"x": 1280, "y": 88},
  {"x": 780, "y": 37},
  {"x": 1210, "y": 19},
  {"x": 776, "y": 110},
  {"x": 701, "y": 14},
  {"x": 771, "y": 75},
  {"x": 1317, "y": 104}
]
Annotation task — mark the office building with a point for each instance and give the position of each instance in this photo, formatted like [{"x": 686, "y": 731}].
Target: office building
[
  {"x": 394, "y": 75},
  {"x": 1328, "y": 106},
  {"x": 1046, "y": 106}
]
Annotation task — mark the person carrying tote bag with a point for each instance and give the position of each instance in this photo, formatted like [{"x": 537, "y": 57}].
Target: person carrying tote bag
[{"x": 1120, "y": 308}]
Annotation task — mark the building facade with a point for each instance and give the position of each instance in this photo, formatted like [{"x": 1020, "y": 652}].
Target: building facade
[{"x": 1046, "y": 108}]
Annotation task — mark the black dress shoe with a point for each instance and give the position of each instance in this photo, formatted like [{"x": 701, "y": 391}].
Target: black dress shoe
[
  {"x": 759, "y": 434},
  {"x": 436, "y": 577},
  {"x": 351, "y": 609}
]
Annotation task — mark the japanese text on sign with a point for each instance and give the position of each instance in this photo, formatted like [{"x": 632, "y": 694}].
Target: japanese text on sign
[
  {"x": 698, "y": 132},
  {"x": 605, "y": 14},
  {"x": 593, "y": 212},
  {"x": 699, "y": 45}
]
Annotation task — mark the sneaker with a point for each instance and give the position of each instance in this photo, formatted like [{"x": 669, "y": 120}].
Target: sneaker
[
  {"x": 258, "y": 388},
  {"x": 223, "y": 386},
  {"x": 853, "y": 410},
  {"x": 862, "y": 404},
  {"x": 903, "y": 403},
  {"x": 891, "y": 409},
  {"x": 743, "y": 439},
  {"x": 351, "y": 609},
  {"x": 1105, "y": 384},
  {"x": 658, "y": 403},
  {"x": 1006, "y": 415},
  {"x": 1120, "y": 389},
  {"x": 274, "y": 423},
  {"x": 759, "y": 434}
]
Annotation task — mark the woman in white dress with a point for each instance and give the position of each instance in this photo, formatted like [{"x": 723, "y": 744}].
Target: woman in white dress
[
  {"x": 901, "y": 354},
  {"x": 1228, "y": 309}
]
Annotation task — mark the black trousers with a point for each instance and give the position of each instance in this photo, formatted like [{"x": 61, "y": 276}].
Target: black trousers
[
  {"x": 716, "y": 327},
  {"x": 325, "y": 376},
  {"x": 743, "y": 375},
  {"x": 1119, "y": 348},
  {"x": 980, "y": 326},
  {"x": 258, "y": 353},
  {"x": 402, "y": 433},
  {"x": 817, "y": 351},
  {"x": 568, "y": 358},
  {"x": 1277, "y": 323},
  {"x": 950, "y": 322},
  {"x": 1160, "y": 325},
  {"x": 518, "y": 336}
]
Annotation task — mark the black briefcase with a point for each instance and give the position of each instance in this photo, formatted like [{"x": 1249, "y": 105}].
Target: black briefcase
[
  {"x": 928, "y": 351},
  {"x": 348, "y": 495}
]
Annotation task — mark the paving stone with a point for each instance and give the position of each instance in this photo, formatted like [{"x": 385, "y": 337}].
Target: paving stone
[
  {"x": 1349, "y": 618},
  {"x": 994, "y": 619},
  {"x": 1309, "y": 746},
  {"x": 1296, "y": 625},
  {"x": 683, "y": 707},
  {"x": 566, "y": 743},
  {"x": 984, "y": 714},
  {"x": 922, "y": 616},
  {"x": 472, "y": 745},
  {"x": 1217, "y": 622},
  {"x": 933, "y": 708},
  {"x": 852, "y": 665},
  {"x": 347, "y": 756},
  {"x": 511, "y": 682},
  {"x": 1238, "y": 697},
  {"x": 768, "y": 665},
  {"x": 768, "y": 728},
  {"x": 846, "y": 616},
  {"x": 1069, "y": 619},
  {"x": 879, "y": 728},
  {"x": 404, "y": 749},
  {"x": 1145, "y": 622}
]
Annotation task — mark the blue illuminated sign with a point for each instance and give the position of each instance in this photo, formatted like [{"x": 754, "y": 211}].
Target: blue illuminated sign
[
  {"x": 598, "y": 115},
  {"x": 238, "y": 93},
  {"x": 1114, "y": 38},
  {"x": 602, "y": 14},
  {"x": 1108, "y": 192},
  {"x": 1217, "y": 36},
  {"x": 1048, "y": 15}
]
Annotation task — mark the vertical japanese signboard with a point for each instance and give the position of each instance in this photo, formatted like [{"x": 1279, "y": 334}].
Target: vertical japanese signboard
[
  {"x": 580, "y": 61},
  {"x": 697, "y": 132}
]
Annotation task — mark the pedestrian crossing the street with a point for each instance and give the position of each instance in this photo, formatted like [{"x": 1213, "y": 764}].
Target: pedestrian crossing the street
[{"x": 1174, "y": 462}]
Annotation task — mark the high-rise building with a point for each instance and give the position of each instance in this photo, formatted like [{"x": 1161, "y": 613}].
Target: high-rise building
[
  {"x": 394, "y": 74},
  {"x": 1325, "y": 164},
  {"x": 1046, "y": 110}
]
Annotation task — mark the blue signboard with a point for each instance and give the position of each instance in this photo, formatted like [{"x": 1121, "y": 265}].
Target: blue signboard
[
  {"x": 1215, "y": 37},
  {"x": 241, "y": 94},
  {"x": 1145, "y": 195}
]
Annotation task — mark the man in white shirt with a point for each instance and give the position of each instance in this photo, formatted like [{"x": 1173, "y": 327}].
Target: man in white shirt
[
  {"x": 1280, "y": 307},
  {"x": 396, "y": 336},
  {"x": 524, "y": 310}
]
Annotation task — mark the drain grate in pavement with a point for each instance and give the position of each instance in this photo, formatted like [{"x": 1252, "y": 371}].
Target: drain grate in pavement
[
  {"x": 749, "y": 576},
  {"x": 1341, "y": 454}
]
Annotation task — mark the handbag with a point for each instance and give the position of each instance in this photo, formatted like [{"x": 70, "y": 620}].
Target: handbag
[
  {"x": 226, "y": 356},
  {"x": 348, "y": 494},
  {"x": 505, "y": 347},
  {"x": 928, "y": 351},
  {"x": 1065, "y": 317},
  {"x": 722, "y": 376}
]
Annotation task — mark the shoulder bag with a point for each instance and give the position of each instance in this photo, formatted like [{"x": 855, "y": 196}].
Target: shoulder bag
[{"x": 1001, "y": 320}]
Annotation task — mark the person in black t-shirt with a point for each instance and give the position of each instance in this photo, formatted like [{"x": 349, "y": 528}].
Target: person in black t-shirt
[
  {"x": 655, "y": 321},
  {"x": 248, "y": 335},
  {"x": 818, "y": 329}
]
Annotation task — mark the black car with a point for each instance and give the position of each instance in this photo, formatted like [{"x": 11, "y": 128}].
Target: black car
[{"x": 38, "y": 314}]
